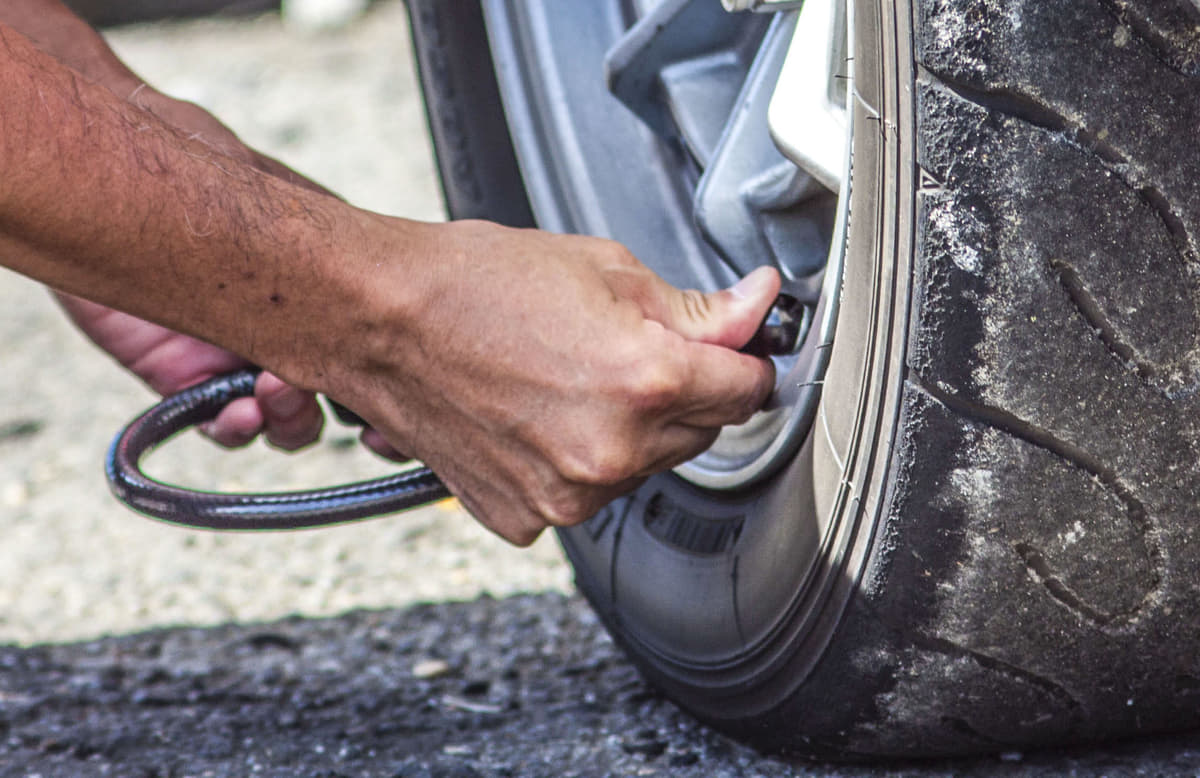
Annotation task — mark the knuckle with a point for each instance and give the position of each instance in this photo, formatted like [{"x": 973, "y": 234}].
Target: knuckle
[
  {"x": 296, "y": 433},
  {"x": 612, "y": 463},
  {"x": 560, "y": 509},
  {"x": 517, "y": 527},
  {"x": 574, "y": 469},
  {"x": 655, "y": 386},
  {"x": 522, "y": 537},
  {"x": 233, "y": 438},
  {"x": 291, "y": 442},
  {"x": 757, "y": 397},
  {"x": 746, "y": 408},
  {"x": 607, "y": 461},
  {"x": 618, "y": 256}
]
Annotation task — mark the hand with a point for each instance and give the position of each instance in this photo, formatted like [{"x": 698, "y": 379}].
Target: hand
[
  {"x": 540, "y": 375},
  {"x": 169, "y": 361},
  {"x": 544, "y": 375}
]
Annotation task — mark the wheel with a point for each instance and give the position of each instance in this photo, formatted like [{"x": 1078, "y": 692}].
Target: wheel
[{"x": 964, "y": 523}]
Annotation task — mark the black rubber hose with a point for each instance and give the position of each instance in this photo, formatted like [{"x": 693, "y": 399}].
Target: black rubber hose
[{"x": 275, "y": 511}]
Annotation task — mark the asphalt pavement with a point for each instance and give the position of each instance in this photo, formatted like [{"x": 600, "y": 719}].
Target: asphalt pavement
[{"x": 523, "y": 686}]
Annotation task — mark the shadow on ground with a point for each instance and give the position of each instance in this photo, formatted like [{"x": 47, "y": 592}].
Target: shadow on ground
[{"x": 526, "y": 686}]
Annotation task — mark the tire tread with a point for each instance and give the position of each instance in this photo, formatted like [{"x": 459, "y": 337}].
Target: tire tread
[{"x": 1054, "y": 356}]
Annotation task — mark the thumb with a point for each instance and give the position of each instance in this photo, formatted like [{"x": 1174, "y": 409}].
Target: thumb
[{"x": 726, "y": 318}]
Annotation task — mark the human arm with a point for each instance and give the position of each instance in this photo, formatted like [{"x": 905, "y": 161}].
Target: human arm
[
  {"x": 538, "y": 374},
  {"x": 166, "y": 360},
  {"x": 56, "y": 30}
]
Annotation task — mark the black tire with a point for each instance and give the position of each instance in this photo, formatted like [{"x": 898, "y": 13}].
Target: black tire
[
  {"x": 1011, "y": 558},
  {"x": 476, "y": 164}
]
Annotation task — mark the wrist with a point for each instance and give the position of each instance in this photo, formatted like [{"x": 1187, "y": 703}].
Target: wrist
[{"x": 357, "y": 304}]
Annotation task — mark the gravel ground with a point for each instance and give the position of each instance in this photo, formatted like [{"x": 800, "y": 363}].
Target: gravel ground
[
  {"x": 321, "y": 665},
  {"x": 343, "y": 108}
]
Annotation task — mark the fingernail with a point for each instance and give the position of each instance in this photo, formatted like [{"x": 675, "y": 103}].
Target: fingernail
[
  {"x": 286, "y": 403},
  {"x": 748, "y": 285}
]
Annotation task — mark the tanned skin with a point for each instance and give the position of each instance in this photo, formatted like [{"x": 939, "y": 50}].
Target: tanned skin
[{"x": 539, "y": 375}]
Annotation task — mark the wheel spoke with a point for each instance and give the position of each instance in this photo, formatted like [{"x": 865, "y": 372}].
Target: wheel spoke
[
  {"x": 680, "y": 68},
  {"x": 675, "y": 30},
  {"x": 749, "y": 203},
  {"x": 807, "y": 115}
]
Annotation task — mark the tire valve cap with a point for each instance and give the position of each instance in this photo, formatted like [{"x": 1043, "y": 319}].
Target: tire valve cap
[{"x": 782, "y": 331}]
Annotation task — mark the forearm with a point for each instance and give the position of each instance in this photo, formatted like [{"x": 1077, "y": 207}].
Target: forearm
[
  {"x": 56, "y": 30},
  {"x": 102, "y": 200}
]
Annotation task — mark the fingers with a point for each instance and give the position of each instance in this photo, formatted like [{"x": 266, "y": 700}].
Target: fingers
[
  {"x": 678, "y": 444},
  {"x": 372, "y": 439},
  {"x": 236, "y": 425},
  {"x": 726, "y": 318},
  {"x": 723, "y": 386},
  {"x": 291, "y": 417}
]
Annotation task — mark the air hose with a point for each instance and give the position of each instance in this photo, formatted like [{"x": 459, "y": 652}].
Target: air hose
[
  {"x": 267, "y": 511},
  {"x": 780, "y": 332}
]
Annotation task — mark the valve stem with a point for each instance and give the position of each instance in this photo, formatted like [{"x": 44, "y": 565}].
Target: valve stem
[{"x": 782, "y": 330}]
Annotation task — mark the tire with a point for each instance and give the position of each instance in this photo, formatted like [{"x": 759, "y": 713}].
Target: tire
[
  {"x": 478, "y": 170},
  {"x": 985, "y": 540}
]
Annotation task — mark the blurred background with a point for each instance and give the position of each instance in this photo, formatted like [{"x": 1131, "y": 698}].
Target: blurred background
[{"x": 335, "y": 97}]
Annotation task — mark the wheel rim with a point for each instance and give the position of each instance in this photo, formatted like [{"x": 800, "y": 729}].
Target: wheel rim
[{"x": 680, "y": 154}]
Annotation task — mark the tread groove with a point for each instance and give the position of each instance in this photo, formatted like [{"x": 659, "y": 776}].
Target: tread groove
[
  {"x": 1171, "y": 220},
  {"x": 737, "y": 613},
  {"x": 1068, "y": 277},
  {"x": 1158, "y": 45},
  {"x": 1073, "y": 455},
  {"x": 1020, "y": 674},
  {"x": 1026, "y": 108},
  {"x": 1044, "y": 575}
]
